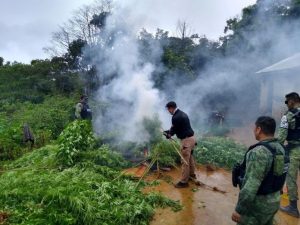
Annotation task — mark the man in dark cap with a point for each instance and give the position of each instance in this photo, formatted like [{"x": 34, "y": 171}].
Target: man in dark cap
[{"x": 182, "y": 128}]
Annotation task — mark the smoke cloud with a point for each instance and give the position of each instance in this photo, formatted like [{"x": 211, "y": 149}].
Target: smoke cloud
[{"x": 128, "y": 92}]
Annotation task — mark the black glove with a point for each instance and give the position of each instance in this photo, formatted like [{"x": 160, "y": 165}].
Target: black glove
[{"x": 167, "y": 134}]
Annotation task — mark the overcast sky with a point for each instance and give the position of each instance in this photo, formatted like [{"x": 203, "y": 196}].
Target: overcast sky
[{"x": 26, "y": 25}]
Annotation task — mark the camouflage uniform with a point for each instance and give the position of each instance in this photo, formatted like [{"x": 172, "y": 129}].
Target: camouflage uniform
[
  {"x": 288, "y": 122},
  {"x": 259, "y": 209},
  {"x": 78, "y": 109}
]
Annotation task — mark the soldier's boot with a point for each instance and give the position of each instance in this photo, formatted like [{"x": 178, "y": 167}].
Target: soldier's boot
[{"x": 291, "y": 209}]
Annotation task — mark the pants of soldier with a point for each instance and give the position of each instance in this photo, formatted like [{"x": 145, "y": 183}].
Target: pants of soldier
[
  {"x": 291, "y": 179},
  {"x": 262, "y": 211},
  {"x": 188, "y": 167}
]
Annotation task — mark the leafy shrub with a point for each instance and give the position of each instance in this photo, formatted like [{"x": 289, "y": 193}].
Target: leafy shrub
[
  {"x": 219, "y": 151},
  {"x": 46, "y": 121},
  {"x": 77, "y": 137},
  {"x": 51, "y": 116},
  {"x": 88, "y": 194},
  {"x": 10, "y": 141},
  {"x": 166, "y": 153},
  {"x": 103, "y": 156}
]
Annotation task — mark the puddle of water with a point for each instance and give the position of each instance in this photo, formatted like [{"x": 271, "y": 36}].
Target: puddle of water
[{"x": 203, "y": 206}]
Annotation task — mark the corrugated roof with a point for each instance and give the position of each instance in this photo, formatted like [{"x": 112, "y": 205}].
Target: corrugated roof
[{"x": 288, "y": 63}]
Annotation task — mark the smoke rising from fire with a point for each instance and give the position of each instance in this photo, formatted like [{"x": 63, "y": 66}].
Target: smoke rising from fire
[{"x": 128, "y": 92}]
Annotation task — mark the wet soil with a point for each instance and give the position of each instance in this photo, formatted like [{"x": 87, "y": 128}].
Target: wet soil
[
  {"x": 3, "y": 217},
  {"x": 202, "y": 205}
]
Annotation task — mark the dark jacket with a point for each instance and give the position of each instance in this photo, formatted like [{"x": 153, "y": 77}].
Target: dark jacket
[{"x": 181, "y": 125}]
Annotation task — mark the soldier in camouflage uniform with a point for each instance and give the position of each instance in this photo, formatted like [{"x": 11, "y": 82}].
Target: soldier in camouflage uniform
[
  {"x": 82, "y": 109},
  {"x": 259, "y": 200},
  {"x": 290, "y": 131}
]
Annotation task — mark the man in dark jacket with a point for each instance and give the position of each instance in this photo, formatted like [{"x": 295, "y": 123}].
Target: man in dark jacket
[{"x": 182, "y": 128}]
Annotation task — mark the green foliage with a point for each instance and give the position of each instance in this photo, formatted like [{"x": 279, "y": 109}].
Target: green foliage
[
  {"x": 219, "y": 130},
  {"x": 10, "y": 140},
  {"x": 21, "y": 82},
  {"x": 32, "y": 192},
  {"x": 160, "y": 148},
  {"x": 166, "y": 153},
  {"x": 77, "y": 137},
  {"x": 103, "y": 156},
  {"x": 219, "y": 151},
  {"x": 74, "y": 52},
  {"x": 44, "y": 157},
  {"x": 46, "y": 121},
  {"x": 51, "y": 116}
]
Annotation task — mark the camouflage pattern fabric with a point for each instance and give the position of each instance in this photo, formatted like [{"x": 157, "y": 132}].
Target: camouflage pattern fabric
[
  {"x": 288, "y": 122},
  {"x": 78, "y": 109},
  {"x": 291, "y": 179},
  {"x": 259, "y": 209}
]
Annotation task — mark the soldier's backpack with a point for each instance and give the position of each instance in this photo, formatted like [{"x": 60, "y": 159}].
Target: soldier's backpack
[
  {"x": 86, "y": 112},
  {"x": 271, "y": 182}
]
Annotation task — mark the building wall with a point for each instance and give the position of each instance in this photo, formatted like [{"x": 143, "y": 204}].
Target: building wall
[{"x": 274, "y": 87}]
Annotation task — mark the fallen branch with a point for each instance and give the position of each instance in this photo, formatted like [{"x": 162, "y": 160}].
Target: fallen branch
[{"x": 172, "y": 142}]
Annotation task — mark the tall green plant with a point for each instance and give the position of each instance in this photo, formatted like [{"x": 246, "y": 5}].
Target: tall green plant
[{"x": 77, "y": 137}]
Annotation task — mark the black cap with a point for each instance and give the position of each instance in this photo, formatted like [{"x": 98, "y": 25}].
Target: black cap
[
  {"x": 171, "y": 105},
  {"x": 293, "y": 96},
  {"x": 83, "y": 97}
]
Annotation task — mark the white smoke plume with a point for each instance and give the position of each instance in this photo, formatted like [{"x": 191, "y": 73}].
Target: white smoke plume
[
  {"x": 129, "y": 96},
  {"x": 127, "y": 90}
]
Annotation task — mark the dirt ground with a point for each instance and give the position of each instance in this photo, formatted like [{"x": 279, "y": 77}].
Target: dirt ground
[
  {"x": 3, "y": 217},
  {"x": 203, "y": 206}
]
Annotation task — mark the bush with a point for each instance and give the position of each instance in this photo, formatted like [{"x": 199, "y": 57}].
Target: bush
[
  {"x": 219, "y": 151},
  {"x": 51, "y": 116},
  {"x": 46, "y": 120},
  {"x": 77, "y": 137},
  {"x": 166, "y": 153},
  {"x": 10, "y": 141}
]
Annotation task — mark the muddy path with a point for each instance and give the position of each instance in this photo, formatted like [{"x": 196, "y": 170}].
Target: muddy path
[{"x": 202, "y": 206}]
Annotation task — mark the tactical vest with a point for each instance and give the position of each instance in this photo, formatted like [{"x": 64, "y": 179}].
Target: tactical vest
[
  {"x": 294, "y": 134},
  {"x": 85, "y": 112},
  {"x": 271, "y": 182}
]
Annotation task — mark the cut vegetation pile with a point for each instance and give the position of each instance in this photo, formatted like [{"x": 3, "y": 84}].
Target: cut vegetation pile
[{"x": 39, "y": 189}]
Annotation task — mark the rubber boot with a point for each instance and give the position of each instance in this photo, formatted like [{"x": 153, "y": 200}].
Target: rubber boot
[{"x": 291, "y": 209}]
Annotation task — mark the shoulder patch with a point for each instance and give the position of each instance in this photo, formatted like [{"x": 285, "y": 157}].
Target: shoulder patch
[{"x": 284, "y": 122}]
